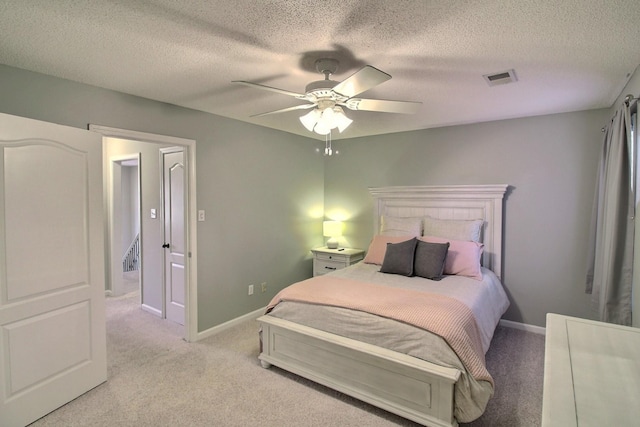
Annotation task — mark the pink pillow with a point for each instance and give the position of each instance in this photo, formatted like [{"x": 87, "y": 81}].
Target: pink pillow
[
  {"x": 463, "y": 258},
  {"x": 378, "y": 247}
]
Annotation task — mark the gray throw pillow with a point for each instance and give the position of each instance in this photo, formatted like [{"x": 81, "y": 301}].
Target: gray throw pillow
[
  {"x": 399, "y": 258},
  {"x": 429, "y": 259}
]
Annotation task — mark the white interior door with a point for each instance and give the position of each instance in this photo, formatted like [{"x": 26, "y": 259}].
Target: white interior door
[
  {"x": 174, "y": 233},
  {"x": 52, "y": 320}
]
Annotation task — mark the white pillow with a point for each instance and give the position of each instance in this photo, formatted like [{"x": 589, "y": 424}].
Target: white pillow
[
  {"x": 455, "y": 229},
  {"x": 400, "y": 226}
]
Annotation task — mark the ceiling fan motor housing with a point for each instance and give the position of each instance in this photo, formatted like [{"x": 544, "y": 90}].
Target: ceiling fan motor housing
[
  {"x": 327, "y": 66},
  {"x": 323, "y": 89}
]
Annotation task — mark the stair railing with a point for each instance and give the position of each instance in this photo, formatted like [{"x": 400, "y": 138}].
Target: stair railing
[{"x": 131, "y": 258}]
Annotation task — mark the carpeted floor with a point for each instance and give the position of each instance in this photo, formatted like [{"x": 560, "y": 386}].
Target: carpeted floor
[{"x": 158, "y": 379}]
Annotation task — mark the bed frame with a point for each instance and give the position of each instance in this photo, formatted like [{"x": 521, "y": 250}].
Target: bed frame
[{"x": 412, "y": 388}]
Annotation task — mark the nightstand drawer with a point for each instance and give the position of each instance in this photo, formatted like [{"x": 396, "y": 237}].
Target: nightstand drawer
[
  {"x": 322, "y": 256},
  {"x": 326, "y": 260},
  {"x": 322, "y": 266}
]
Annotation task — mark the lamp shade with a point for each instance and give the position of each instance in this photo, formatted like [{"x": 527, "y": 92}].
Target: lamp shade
[{"x": 332, "y": 229}]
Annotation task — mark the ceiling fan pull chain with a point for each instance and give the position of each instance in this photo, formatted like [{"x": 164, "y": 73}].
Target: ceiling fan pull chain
[{"x": 327, "y": 144}]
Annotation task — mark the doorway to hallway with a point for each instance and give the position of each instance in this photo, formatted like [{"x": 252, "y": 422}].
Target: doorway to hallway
[{"x": 154, "y": 297}]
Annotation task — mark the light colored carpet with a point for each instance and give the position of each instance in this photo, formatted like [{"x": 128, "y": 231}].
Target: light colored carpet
[
  {"x": 130, "y": 281},
  {"x": 158, "y": 379}
]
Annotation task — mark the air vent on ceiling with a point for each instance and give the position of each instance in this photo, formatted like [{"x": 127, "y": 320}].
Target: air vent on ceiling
[{"x": 502, "y": 78}]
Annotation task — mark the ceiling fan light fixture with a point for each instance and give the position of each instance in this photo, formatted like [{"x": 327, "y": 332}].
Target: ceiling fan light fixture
[
  {"x": 310, "y": 119},
  {"x": 322, "y": 128},
  {"x": 341, "y": 120},
  {"x": 322, "y": 121}
]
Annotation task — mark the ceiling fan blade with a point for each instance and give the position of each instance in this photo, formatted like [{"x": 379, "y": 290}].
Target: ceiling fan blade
[
  {"x": 384, "y": 106},
  {"x": 271, "y": 89},
  {"x": 362, "y": 80},
  {"x": 284, "y": 110}
]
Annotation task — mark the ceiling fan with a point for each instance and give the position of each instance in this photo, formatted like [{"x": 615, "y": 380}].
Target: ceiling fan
[{"x": 328, "y": 97}]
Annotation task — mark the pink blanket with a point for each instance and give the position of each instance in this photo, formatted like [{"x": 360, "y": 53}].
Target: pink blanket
[{"x": 441, "y": 315}]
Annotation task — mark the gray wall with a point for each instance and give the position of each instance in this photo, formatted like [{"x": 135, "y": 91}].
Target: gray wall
[
  {"x": 262, "y": 189},
  {"x": 550, "y": 164},
  {"x": 130, "y": 226}
]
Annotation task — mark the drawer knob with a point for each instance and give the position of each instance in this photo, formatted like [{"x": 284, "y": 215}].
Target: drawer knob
[{"x": 329, "y": 268}]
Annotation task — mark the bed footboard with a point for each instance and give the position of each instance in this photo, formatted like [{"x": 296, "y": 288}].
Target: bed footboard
[{"x": 401, "y": 384}]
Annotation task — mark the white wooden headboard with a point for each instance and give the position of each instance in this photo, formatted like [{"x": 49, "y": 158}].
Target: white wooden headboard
[{"x": 449, "y": 202}]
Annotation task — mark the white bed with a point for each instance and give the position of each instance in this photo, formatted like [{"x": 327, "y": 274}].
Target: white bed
[{"x": 428, "y": 388}]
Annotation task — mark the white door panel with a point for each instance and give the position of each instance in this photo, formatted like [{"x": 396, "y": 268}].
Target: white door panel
[
  {"x": 52, "y": 326},
  {"x": 174, "y": 217},
  {"x": 34, "y": 199}
]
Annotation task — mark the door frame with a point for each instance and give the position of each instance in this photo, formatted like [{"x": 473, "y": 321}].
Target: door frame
[{"x": 191, "y": 245}]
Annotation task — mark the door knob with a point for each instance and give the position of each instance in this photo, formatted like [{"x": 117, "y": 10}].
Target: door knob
[{"x": 166, "y": 245}]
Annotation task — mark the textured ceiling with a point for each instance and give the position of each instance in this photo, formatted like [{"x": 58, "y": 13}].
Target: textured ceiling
[{"x": 568, "y": 55}]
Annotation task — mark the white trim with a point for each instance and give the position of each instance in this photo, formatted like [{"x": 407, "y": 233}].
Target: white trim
[
  {"x": 191, "y": 297},
  {"x": 523, "y": 327},
  {"x": 231, "y": 323},
  {"x": 151, "y": 310},
  {"x": 140, "y": 136}
]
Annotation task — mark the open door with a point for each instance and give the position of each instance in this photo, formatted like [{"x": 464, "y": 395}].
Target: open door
[
  {"x": 52, "y": 320},
  {"x": 173, "y": 190}
]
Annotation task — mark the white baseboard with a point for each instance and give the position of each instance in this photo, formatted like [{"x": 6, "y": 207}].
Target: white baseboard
[
  {"x": 226, "y": 325},
  {"x": 523, "y": 326},
  {"x": 151, "y": 310}
]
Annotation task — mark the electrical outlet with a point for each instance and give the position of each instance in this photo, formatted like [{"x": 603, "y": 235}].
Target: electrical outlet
[
  {"x": 264, "y": 286},
  {"x": 250, "y": 289}
]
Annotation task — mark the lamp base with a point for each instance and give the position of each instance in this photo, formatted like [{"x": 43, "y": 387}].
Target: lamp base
[{"x": 332, "y": 243}]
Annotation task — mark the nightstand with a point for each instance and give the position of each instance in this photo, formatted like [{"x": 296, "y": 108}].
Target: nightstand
[{"x": 326, "y": 260}]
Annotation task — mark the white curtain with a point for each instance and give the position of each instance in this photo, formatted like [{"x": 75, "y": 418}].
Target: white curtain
[{"x": 610, "y": 269}]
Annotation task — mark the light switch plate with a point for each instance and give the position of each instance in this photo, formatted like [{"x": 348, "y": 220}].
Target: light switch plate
[
  {"x": 201, "y": 215},
  {"x": 153, "y": 214}
]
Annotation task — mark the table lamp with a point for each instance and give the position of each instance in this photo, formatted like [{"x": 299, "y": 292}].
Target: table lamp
[{"x": 333, "y": 230}]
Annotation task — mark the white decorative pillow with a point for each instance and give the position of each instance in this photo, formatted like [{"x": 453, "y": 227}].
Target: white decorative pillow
[
  {"x": 455, "y": 229},
  {"x": 400, "y": 226}
]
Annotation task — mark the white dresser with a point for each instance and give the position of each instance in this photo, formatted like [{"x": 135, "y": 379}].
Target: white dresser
[{"x": 591, "y": 374}]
